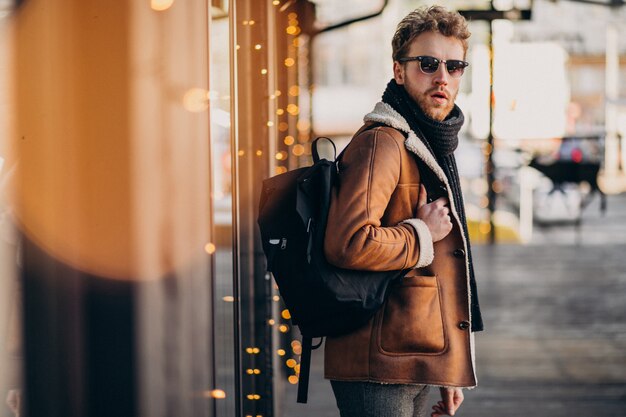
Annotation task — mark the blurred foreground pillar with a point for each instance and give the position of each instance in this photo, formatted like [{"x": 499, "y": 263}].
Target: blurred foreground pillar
[{"x": 111, "y": 199}]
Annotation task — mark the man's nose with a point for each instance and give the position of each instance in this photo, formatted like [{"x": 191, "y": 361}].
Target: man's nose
[{"x": 441, "y": 76}]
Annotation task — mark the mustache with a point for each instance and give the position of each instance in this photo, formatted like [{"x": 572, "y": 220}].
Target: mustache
[{"x": 439, "y": 90}]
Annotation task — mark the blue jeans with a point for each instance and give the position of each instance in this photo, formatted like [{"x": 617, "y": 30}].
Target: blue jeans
[{"x": 370, "y": 399}]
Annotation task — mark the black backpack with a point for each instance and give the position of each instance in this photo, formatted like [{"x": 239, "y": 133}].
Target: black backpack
[{"x": 323, "y": 300}]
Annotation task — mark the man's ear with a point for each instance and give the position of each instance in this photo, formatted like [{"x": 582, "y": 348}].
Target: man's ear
[{"x": 398, "y": 72}]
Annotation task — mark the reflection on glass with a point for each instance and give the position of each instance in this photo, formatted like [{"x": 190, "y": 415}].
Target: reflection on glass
[
  {"x": 10, "y": 295},
  {"x": 221, "y": 191}
]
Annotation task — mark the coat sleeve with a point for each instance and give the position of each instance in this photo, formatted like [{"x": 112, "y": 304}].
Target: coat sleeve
[{"x": 355, "y": 238}]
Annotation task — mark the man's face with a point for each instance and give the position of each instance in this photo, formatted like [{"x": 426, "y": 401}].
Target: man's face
[{"x": 434, "y": 93}]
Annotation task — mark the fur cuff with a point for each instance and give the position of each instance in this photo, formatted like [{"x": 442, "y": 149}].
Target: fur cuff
[{"x": 427, "y": 251}]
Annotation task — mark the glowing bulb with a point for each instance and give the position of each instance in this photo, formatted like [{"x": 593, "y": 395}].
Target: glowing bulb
[
  {"x": 160, "y": 5},
  {"x": 217, "y": 393},
  {"x": 196, "y": 100},
  {"x": 280, "y": 112},
  {"x": 293, "y": 110},
  {"x": 291, "y": 363},
  {"x": 283, "y": 328},
  {"x": 289, "y": 140},
  {"x": 271, "y": 322},
  {"x": 257, "y": 46},
  {"x": 298, "y": 150},
  {"x": 292, "y": 379},
  {"x": 291, "y": 30},
  {"x": 281, "y": 352},
  {"x": 285, "y": 314},
  {"x": 210, "y": 248},
  {"x": 228, "y": 298},
  {"x": 294, "y": 91},
  {"x": 276, "y": 2},
  {"x": 289, "y": 62},
  {"x": 276, "y": 298},
  {"x": 263, "y": 71},
  {"x": 283, "y": 126},
  {"x": 241, "y": 152}
]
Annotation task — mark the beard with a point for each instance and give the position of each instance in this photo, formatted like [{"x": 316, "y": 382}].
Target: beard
[{"x": 437, "y": 112}]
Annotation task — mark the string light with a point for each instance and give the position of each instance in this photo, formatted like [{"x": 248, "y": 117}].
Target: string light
[
  {"x": 263, "y": 71},
  {"x": 276, "y": 298},
  {"x": 298, "y": 150},
  {"x": 281, "y": 352},
  {"x": 280, "y": 170},
  {"x": 285, "y": 314},
  {"x": 196, "y": 100},
  {"x": 257, "y": 46},
  {"x": 241, "y": 152},
  {"x": 270, "y": 123},
  {"x": 291, "y": 363},
  {"x": 280, "y": 112},
  {"x": 276, "y": 2},
  {"x": 228, "y": 298},
  {"x": 160, "y": 5},
  {"x": 294, "y": 91},
  {"x": 289, "y": 62},
  {"x": 283, "y": 126},
  {"x": 259, "y": 152},
  {"x": 210, "y": 248},
  {"x": 293, "y": 110},
  {"x": 293, "y": 380},
  {"x": 251, "y": 22},
  {"x": 282, "y": 155},
  {"x": 303, "y": 125},
  {"x": 271, "y": 322},
  {"x": 289, "y": 140},
  {"x": 277, "y": 93},
  {"x": 216, "y": 393},
  {"x": 283, "y": 328},
  {"x": 291, "y": 30}
]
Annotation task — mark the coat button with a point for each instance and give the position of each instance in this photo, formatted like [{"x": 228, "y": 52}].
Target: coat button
[
  {"x": 459, "y": 253},
  {"x": 464, "y": 325}
]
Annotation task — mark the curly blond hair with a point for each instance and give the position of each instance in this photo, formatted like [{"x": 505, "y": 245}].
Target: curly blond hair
[{"x": 428, "y": 19}]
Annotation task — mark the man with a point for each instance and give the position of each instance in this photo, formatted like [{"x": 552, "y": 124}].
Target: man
[{"x": 398, "y": 206}]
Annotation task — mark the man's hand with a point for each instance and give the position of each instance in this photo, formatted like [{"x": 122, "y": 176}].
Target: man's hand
[
  {"x": 436, "y": 215},
  {"x": 451, "y": 399}
]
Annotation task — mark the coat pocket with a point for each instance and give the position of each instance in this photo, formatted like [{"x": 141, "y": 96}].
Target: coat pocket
[{"x": 411, "y": 320}]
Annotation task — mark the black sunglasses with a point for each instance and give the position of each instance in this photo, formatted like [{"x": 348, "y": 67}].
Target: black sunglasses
[{"x": 430, "y": 65}]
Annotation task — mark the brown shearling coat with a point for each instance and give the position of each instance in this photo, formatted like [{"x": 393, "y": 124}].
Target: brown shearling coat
[{"x": 422, "y": 334}]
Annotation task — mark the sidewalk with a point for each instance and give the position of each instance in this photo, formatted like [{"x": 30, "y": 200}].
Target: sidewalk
[{"x": 555, "y": 317}]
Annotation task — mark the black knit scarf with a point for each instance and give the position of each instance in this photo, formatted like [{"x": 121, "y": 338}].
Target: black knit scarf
[{"x": 441, "y": 139}]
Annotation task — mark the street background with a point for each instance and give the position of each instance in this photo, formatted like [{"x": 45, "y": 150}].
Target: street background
[{"x": 555, "y": 326}]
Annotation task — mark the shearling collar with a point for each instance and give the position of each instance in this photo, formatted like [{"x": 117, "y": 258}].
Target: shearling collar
[{"x": 384, "y": 113}]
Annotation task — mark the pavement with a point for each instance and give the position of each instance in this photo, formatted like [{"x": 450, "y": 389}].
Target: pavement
[{"x": 555, "y": 317}]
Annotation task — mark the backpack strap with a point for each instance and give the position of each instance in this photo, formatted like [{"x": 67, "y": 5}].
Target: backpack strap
[
  {"x": 305, "y": 367},
  {"x": 315, "y": 153}
]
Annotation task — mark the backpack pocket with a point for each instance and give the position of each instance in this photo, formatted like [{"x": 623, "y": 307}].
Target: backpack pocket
[{"x": 411, "y": 320}]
